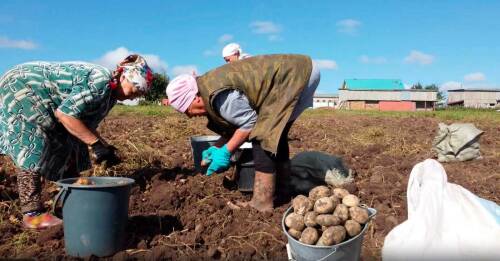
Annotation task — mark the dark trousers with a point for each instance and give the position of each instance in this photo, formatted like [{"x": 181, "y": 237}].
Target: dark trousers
[{"x": 265, "y": 161}]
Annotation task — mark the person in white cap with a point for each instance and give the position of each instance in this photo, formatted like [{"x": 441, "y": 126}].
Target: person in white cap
[
  {"x": 232, "y": 52},
  {"x": 256, "y": 100}
]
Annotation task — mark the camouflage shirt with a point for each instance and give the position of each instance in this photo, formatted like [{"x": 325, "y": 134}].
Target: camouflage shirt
[{"x": 272, "y": 84}]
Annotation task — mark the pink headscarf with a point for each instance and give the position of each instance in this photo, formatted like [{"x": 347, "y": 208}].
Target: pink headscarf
[{"x": 181, "y": 92}]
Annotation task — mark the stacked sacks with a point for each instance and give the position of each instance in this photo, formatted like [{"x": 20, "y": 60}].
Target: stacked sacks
[{"x": 327, "y": 217}]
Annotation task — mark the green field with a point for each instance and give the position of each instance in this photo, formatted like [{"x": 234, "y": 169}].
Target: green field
[{"x": 458, "y": 114}]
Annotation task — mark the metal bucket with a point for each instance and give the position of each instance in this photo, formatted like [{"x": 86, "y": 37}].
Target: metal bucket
[
  {"x": 95, "y": 216},
  {"x": 347, "y": 250},
  {"x": 198, "y": 145}
]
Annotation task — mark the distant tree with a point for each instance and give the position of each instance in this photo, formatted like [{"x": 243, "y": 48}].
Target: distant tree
[
  {"x": 434, "y": 87},
  {"x": 157, "y": 92},
  {"x": 417, "y": 86}
]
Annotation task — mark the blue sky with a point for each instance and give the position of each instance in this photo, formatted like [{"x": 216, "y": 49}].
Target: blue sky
[{"x": 450, "y": 43}]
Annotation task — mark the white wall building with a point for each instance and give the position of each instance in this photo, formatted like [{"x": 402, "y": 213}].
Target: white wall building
[
  {"x": 474, "y": 98},
  {"x": 325, "y": 100}
]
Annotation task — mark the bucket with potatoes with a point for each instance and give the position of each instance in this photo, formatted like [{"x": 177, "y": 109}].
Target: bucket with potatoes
[{"x": 329, "y": 224}]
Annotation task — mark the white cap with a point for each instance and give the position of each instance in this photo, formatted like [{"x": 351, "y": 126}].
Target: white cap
[{"x": 231, "y": 49}]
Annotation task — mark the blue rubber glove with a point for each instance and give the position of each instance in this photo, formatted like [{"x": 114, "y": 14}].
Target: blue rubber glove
[
  {"x": 206, "y": 155},
  {"x": 220, "y": 160}
]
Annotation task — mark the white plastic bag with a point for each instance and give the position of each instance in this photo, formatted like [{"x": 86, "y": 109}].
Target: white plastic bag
[{"x": 445, "y": 221}]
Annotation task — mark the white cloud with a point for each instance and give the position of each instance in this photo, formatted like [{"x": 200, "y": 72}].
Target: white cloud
[
  {"x": 450, "y": 85},
  {"x": 182, "y": 69},
  {"x": 419, "y": 57},
  {"x": 113, "y": 57},
  {"x": 372, "y": 60},
  {"x": 225, "y": 38},
  {"x": 155, "y": 62},
  {"x": 265, "y": 27},
  {"x": 475, "y": 77},
  {"x": 209, "y": 53},
  {"x": 348, "y": 26},
  {"x": 326, "y": 64},
  {"x": 274, "y": 38},
  {"x": 6, "y": 42}
]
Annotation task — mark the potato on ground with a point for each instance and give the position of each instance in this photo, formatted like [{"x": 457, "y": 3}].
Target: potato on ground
[
  {"x": 340, "y": 192},
  {"x": 301, "y": 204},
  {"x": 319, "y": 192},
  {"x": 342, "y": 212},
  {"x": 358, "y": 214},
  {"x": 352, "y": 227},
  {"x": 295, "y": 221},
  {"x": 309, "y": 236},
  {"x": 294, "y": 233},
  {"x": 350, "y": 200},
  {"x": 332, "y": 236},
  {"x": 327, "y": 220},
  {"x": 310, "y": 219},
  {"x": 324, "y": 205}
]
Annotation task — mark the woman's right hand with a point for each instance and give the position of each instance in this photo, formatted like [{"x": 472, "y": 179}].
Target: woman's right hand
[
  {"x": 206, "y": 155},
  {"x": 103, "y": 152}
]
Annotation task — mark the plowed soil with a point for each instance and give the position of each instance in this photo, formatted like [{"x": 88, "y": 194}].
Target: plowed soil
[{"x": 176, "y": 214}]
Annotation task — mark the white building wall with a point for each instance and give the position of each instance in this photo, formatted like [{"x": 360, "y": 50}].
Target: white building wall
[
  {"x": 475, "y": 99},
  {"x": 455, "y": 97},
  {"x": 319, "y": 102}
]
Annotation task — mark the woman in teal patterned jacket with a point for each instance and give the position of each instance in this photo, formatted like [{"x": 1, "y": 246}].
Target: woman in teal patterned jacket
[{"x": 49, "y": 113}]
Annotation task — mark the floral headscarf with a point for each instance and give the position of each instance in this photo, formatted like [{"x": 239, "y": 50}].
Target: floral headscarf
[{"x": 136, "y": 70}]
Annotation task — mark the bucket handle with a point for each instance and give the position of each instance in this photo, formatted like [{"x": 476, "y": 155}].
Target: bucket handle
[
  {"x": 58, "y": 197},
  {"x": 325, "y": 257},
  {"x": 291, "y": 254}
]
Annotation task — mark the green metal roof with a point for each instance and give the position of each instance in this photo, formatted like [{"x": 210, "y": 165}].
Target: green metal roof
[{"x": 373, "y": 84}]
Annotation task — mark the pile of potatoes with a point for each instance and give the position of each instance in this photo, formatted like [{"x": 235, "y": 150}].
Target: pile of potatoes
[{"x": 327, "y": 217}]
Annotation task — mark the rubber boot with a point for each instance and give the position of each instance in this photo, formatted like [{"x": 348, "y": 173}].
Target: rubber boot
[{"x": 263, "y": 192}]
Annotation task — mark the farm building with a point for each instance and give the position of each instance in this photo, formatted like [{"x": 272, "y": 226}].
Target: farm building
[
  {"x": 474, "y": 98},
  {"x": 384, "y": 95},
  {"x": 325, "y": 100}
]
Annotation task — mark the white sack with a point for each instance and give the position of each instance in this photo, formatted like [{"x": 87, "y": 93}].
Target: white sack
[{"x": 445, "y": 221}]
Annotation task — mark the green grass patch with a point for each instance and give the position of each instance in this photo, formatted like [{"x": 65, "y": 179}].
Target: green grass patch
[
  {"x": 454, "y": 114},
  {"x": 459, "y": 114},
  {"x": 144, "y": 110}
]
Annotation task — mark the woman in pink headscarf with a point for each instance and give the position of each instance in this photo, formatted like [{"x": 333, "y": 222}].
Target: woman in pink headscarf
[
  {"x": 253, "y": 100},
  {"x": 49, "y": 113}
]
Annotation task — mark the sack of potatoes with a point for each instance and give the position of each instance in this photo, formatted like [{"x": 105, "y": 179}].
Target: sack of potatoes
[{"x": 327, "y": 217}]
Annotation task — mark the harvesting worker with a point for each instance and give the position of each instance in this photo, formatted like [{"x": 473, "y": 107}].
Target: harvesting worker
[
  {"x": 49, "y": 113},
  {"x": 232, "y": 52},
  {"x": 255, "y": 99}
]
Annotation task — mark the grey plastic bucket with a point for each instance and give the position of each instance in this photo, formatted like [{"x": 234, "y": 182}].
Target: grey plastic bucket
[
  {"x": 95, "y": 216},
  {"x": 347, "y": 250},
  {"x": 198, "y": 145}
]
